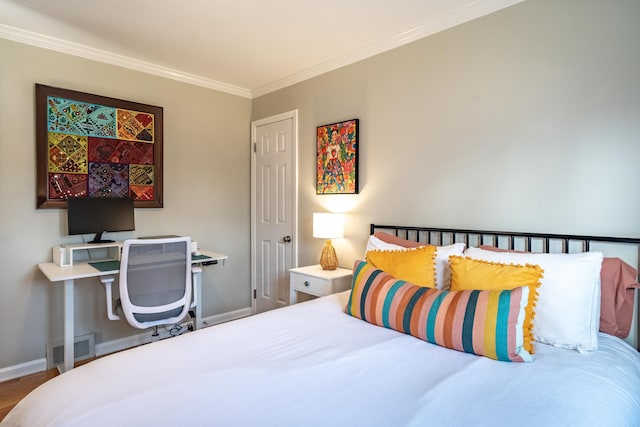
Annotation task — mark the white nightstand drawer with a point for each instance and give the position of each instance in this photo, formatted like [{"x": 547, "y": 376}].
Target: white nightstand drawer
[
  {"x": 313, "y": 280},
  {"x": 311, "y": 285}
]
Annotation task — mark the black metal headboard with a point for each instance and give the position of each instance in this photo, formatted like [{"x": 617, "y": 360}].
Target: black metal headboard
[{"x": 533, "y": 242}]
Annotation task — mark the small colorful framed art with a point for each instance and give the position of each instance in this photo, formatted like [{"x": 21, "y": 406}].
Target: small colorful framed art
[{"x": 337, "y": 158}]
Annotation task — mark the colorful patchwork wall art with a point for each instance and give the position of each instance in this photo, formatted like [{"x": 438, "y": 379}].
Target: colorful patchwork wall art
[
  {"x": 95, "y": 146},
  {"x": 337, "y": 158}
]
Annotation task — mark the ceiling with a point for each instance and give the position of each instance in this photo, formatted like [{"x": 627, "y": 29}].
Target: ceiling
[{"x": 244, "y": 47}]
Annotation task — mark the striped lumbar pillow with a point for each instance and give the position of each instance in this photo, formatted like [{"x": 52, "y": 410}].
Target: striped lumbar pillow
[{"x": 487, "y": 323}]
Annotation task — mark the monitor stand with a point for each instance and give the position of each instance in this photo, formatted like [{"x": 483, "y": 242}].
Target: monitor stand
[{"x": 99, "y": 239}]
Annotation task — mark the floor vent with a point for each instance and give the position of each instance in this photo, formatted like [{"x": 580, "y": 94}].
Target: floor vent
[{"x": 84, "y": 348}]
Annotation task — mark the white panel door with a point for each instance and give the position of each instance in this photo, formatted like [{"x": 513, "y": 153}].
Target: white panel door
[{"x": 273, "y": 209}]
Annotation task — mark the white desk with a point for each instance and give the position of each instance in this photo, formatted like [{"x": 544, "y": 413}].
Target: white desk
[{"x": 81, "y": 270}]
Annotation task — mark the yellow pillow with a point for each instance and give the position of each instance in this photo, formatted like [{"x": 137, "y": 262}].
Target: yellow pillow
[
  {"x": 415, "y": 265},
  {"x": 469, "y": 273}
]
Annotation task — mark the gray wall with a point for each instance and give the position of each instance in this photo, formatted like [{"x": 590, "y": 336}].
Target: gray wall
[
  {"x": 206, "y": 194},
  {"x": 525, "y": 120}
]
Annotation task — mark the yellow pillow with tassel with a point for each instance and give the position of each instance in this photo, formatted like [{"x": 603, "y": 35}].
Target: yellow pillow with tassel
[
  {"x": 469, "y": 273},
  {"x": 415, "y": 265}
]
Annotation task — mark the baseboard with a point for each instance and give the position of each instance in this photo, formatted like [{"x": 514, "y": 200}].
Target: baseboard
[
  {"x": 226, "y": 317},
  {"x": 112, "y": 346},
  {"x": 122, "y": 343},
  {"x": 27, "y": 368}
]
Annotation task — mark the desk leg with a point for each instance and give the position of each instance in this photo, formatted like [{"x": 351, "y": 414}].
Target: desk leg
[
  {"x": 69, "y": 341},
  {"x": 197, "y": 289}
]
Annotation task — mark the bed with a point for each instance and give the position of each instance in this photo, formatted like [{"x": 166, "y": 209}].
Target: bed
[{"x": 311, "y": 364}]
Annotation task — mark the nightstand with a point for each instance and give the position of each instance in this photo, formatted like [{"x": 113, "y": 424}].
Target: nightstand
[{"x": 313, "y": 280}]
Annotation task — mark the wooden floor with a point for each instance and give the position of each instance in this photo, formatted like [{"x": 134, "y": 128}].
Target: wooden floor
[{"x": 12, "y": 391}]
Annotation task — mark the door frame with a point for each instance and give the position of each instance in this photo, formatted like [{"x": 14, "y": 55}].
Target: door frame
[{"x": 293, "y": 114}]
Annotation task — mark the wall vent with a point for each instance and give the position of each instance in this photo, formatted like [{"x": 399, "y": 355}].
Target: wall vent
[{"x": 84, "y": 348}]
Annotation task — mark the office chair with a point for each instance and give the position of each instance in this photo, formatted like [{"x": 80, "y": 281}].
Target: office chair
[{"x": 155, "y": 282}]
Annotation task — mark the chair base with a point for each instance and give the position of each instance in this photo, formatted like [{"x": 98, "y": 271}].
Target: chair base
[
  {"x": 187, "y": 324},
  {"x": 180, "y": 329}
]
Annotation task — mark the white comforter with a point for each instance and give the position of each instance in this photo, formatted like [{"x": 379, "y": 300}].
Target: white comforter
[{"x": 312, "y": 365}]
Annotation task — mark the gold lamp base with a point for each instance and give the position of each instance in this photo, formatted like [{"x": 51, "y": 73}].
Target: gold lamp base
[{"x": 328, "y": 258}]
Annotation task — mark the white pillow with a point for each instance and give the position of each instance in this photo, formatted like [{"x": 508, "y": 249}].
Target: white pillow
[
  {"x": 375, "y": 244},
  {"x": 568, "y": 308},
  {"x": 443, "y": 272}
]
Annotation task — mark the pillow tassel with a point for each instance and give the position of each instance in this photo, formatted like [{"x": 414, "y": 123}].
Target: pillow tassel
[
  {"x": 534, "y": 305},
  {"x": 433, "y": 263}
]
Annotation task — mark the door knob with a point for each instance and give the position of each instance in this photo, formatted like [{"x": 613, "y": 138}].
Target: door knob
[{"x": 286, "y": 239}]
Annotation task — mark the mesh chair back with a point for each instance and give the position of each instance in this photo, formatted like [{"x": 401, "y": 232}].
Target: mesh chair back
[{"x": 155, "y": 281}]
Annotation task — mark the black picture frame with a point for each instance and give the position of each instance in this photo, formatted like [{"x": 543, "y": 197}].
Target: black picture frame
[{"x": 337, "y": 157}]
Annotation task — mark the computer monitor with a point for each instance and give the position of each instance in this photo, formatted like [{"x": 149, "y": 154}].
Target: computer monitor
[{"x": 98, "y": 215}]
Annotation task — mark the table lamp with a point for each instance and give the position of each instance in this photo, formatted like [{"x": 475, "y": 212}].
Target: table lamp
[{"x": 328, "y": 226}]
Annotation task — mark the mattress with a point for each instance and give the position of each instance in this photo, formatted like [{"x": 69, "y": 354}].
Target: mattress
[{"x": 310, "y": 364}]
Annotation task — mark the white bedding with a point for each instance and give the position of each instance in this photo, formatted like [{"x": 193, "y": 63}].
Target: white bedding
[{"x": 312, "y": 365}]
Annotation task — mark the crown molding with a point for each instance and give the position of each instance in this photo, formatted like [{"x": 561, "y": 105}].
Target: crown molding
[
  {"x": 440, "y": 23},
  {"x": 76, "y": 49}
]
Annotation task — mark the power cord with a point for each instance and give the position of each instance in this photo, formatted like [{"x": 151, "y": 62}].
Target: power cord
[{"x": 179, "y": 329}]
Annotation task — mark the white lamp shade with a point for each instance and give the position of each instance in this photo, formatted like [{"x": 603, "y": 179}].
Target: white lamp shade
[{"x": 328, "y": 225}]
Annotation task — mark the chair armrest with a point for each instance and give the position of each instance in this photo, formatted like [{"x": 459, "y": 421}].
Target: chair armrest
[
  {"x": 107, "y": 281},
  {"x": 195, "y": 271}
]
